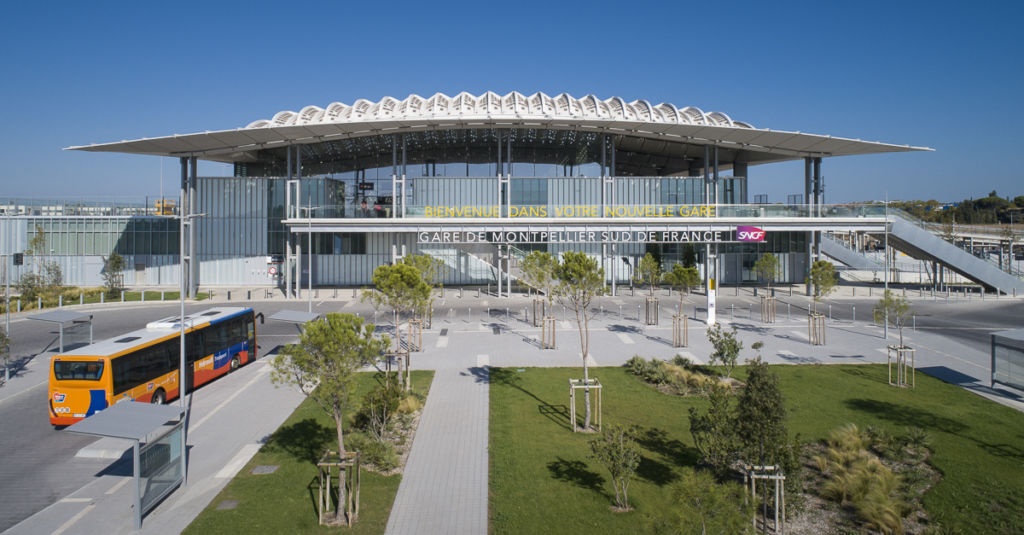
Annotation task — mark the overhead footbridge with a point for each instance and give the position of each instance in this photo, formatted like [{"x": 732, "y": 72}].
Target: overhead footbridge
[{"x": 908, "y": 236}]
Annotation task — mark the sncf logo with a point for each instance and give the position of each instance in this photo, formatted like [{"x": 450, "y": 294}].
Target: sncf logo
[
  {"x": 744, "y": 233},
  {"x": 58, "y": 397}
]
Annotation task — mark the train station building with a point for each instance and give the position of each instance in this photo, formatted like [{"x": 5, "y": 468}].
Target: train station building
[{"x": 324, "y": 195}]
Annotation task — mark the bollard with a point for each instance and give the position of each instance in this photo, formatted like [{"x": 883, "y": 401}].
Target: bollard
[
  {"x": 787, "y": 311},
  {"x": 869, "y": 291},
  {"x": 19, "y": 305},
  {"x": 732, "y": 311},
  {"x": 469, "y": 315},
  {"x": 229, "y": 295},
  {"x": 638, "y": 312},
  {"x": 460, "y": 293},
  {"x": 102, "y": 294},
  {"x": 39, "y": 303},
  {"x": 855, "y": 314},
  {"x": 478, "y": 292},
  {"x": 913, "y": 318},
  {"x": 506, "y": 315},
  {"x": 81, "y": 299},
  {"x": 620, "y": 311},
  {"x": 353, "y": 293},
  {"x": 60, "y": 301},
  {"x": 142, "y": 296},
  {"x": 750, "y": 312},
  {"x": 162, "y": 293},
  {"x": 248, "y": 295},
  {"x": 563, "y": 312},
  {"x": 830, "y": 312},
  {"x": 335, "y": 293}
]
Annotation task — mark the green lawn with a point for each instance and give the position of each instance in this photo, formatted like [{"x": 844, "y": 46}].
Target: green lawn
[
  {"x": 543, "y": 481},
  {"x": 285, "y": 501}
]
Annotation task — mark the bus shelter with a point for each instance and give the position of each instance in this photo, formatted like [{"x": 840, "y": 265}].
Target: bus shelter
[
  {"x": 159, "y": 463},
  {"x": 1008, "y": 358},
  {"x": 67, "y": 320},
  {"x": 295, "y": 316}
]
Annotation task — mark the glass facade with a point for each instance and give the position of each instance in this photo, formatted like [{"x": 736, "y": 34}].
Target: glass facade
[{"x": 127, "y": 236}]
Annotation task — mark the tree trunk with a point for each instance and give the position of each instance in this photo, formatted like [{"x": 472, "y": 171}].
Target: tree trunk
[
  {"x": 586, "y": 370},
  {"x": 338, "y": 419}
]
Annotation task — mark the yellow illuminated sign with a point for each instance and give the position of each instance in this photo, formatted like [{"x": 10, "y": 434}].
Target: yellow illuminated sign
[{"x": 583, "y": 211}]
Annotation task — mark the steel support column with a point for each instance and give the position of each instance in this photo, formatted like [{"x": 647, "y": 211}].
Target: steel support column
[
  {"x": 193, "y": 258},
  {"x": 809, "y": 202}
]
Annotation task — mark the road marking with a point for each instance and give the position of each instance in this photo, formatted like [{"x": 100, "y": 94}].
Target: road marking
[
  {"x": 71, "y": 521},
  {"x": 238, "y": 461},
  {"x": 483, "y": 361},
  {"x": 442, "y": 341},
  {"x": 800, "y": 334},
  {"x": 259, "y": 374},
  {"x": 787, "y": 353},
  {"x": 625, "y": 338},
  {"x": 12, "y": 396},
  {"x": 115, "y": 488},
  {"x": 76, "y": 500},
  {"x": 882, "y": 351}
]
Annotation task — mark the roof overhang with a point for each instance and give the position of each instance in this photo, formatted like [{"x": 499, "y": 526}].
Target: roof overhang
[
  {"x": 241, "y": 145},
  {"x": 636, "y": 120}
]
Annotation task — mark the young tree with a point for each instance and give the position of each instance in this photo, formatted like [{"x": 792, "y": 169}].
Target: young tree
[
  {"x": 704, "y": 507},
  {"x": 767, "y": 268},
  {"x": 400, "y": 288},
  {"x": 580, "y": 280},
  {"x": 761, "y": 415},
  {"x": 648, "y": 271},
  {"x": 726, "y": 347},
  {"x": 617, "y": 451},
  {"x": 113, "y": 273},
  {"x": 431, "y": 271},
  {"x": 761, "y": 422},
  {"x": 823, "y": 280},
  {"x": 713, "y": 432},
  {"x": 684, "y": 279},
  {"x": 895, "y": 309},
  {"x": 539, "y": 271},
  {"x": 324, "y": 363}
]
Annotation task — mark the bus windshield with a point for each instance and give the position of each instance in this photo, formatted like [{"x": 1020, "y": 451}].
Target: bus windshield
[{"x": 70, "y": 370}]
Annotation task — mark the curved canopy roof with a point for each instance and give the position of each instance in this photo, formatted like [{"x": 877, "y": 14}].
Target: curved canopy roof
[{"x": 664, "y": 128}]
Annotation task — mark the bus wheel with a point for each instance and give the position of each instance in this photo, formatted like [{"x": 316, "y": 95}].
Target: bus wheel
[
  {"x": 158, "y": 397},
  {"x": 235, "y": 363}
]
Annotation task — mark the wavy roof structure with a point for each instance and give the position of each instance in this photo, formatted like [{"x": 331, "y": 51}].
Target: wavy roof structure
[
  {"x": 490, "y": 105},
  {"x": 661, "y": 131}
]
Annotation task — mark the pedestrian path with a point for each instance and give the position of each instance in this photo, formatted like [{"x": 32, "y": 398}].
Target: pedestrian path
[{"x": 444, "y": 486}]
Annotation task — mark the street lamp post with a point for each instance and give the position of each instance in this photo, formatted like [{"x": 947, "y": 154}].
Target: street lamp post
[{"x": 885, "y": 313}]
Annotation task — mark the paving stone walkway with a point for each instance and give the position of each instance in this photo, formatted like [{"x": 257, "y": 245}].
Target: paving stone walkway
[{"x": 444, "y": 487}]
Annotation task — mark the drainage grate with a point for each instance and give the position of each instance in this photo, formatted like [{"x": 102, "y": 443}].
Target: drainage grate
[
  {"x": 227, "y": 505},
  {"x": 264, "y": 469},
  {"x": 497, "y": 330},
  {"x": 444, "y": 332}
]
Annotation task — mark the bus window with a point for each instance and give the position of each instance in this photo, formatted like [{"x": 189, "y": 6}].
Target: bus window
[{"x": 65, "y": 370}]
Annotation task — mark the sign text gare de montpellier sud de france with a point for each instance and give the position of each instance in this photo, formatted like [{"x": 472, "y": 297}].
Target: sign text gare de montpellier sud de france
[{"x": 740, "y": 234}]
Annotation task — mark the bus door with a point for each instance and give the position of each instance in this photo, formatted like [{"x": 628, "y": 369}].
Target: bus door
[{"x": 250, "y": 334}]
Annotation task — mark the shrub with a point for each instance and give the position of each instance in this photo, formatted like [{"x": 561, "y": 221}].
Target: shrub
[
  {"x": 380, "y": 454},
  {"x": 682, "y": 362},
  {"x": 617, "y": 451},
  {"x": 410, "y": 404},
  {"x": 379, "y": 408},
  {"x": 637, "y": 365}
]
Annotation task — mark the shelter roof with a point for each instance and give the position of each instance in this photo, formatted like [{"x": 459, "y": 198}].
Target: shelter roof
[{"x": 662, "y": 123}]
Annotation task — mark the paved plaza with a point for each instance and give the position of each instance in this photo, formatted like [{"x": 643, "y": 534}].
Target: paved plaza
[{"x": 444, "y": 486}]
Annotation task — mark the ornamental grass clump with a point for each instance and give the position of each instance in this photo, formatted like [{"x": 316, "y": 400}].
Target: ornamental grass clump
[{"x": 857, "y": 478}]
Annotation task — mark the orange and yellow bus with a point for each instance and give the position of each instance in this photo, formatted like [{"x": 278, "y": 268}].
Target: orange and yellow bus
[{"x": 143, "y": 365}]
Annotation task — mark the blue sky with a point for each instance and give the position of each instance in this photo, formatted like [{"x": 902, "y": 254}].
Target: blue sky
[{"x": 935, "y": 74}]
